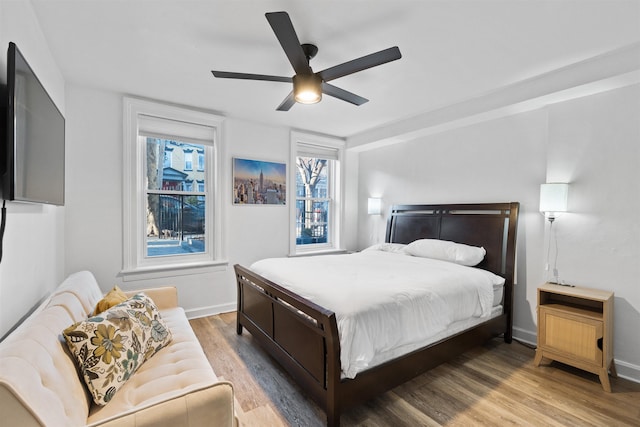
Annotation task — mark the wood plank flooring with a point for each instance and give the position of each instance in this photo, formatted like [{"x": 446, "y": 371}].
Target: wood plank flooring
[{"x": 495, "y": 384}]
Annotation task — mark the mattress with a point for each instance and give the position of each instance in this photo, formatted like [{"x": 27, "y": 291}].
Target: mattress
[{"x": 388, "y": 303}]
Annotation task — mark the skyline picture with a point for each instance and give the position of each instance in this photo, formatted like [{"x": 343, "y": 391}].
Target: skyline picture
[{"x": 257, "y": 182}]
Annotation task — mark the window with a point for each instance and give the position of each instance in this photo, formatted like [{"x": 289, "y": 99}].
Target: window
[
  {"x": 175, "y": 214},
  {"x": 313, "y": 203},
  {"x": 168, "y": 157},
  {"x": 317, "y": 211},
  {"x": 170, "y": 223},
  {"x": 200, "y": 160},
  {"x": 188, "y": 158}
]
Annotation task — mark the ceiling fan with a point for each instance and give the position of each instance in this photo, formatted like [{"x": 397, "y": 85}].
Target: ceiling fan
[{"x": 308, "y": 86}]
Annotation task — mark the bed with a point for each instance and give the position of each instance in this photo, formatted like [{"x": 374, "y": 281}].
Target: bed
[{"x": 280, "y": 319}]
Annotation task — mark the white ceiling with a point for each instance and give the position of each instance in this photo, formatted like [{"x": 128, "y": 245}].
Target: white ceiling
[{"x": 453, "y": 50}]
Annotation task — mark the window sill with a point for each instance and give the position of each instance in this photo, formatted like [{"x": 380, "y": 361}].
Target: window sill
[
  {"x": 172, "y": 270},
  {"x": 319, "y": 252}
]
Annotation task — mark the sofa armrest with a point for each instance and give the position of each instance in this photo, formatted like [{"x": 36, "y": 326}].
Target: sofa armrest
[
  {"x": 213, "y": 405},
  {"x": 14, "y": 410},
  {"x": 164, "y": 297}
]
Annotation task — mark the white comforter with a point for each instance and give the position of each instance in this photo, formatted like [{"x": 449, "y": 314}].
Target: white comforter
[{"x": 384, "y": 300}]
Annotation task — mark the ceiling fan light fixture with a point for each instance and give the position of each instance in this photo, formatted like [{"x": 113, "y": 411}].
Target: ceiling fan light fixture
[{"x": 307, "y": 89}]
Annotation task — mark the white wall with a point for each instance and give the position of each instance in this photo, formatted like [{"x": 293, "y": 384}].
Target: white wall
[
  {"x": 94, "y": 202},
  {"x": 591, "y": 142},
  {"x": 594, "y": 143},
  {"x": 33, "y": 247},
  {"x": 497, "y": 161}
]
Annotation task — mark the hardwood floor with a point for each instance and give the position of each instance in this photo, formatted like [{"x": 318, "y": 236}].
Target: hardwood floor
[{"x": 496, "y": 384}]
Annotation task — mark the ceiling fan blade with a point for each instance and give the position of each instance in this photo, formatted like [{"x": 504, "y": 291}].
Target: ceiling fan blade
[
  {"x": 359, "y": 64},
  {"x": 283, "y": 28},
  {"x": 246, "y": 76},
  {"x": 342, "y": 94},
  {"x": 287, "y": 103}
]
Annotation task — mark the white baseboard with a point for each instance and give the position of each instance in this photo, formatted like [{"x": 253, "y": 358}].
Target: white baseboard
[
  {"x": 212, "y": 310},
  {"x": 625, "y": 370},
  {"x": 525, "y": 336}
]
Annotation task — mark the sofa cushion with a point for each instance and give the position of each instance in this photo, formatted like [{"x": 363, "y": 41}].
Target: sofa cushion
[
  {"x": 177, "y": 370},
  {"x": 110, "y": 347},
  {"x": 209, "y": 406}
]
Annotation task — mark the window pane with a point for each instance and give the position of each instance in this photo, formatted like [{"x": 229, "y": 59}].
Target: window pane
[
  {"x": 200, "y": 161},
  {"x": 312, "y": 216},
  {"x": 188, "y": 160},
  {"x": 175, "y": 224},
  {"x": 311, "y": 179},
  {"x": 312, "y": 224},
  {"x": 176, "y": 158}
]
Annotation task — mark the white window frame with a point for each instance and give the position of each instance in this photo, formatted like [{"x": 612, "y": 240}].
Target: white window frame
[
  {"x": 136, "y": 264},
  {"x": 336, "y": 189}
]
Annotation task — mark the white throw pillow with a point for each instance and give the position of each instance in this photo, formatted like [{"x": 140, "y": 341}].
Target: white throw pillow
[{"x": 446, "y": 251}]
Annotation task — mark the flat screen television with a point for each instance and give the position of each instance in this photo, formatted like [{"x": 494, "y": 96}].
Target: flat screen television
[{"x": 34, "y": 144}]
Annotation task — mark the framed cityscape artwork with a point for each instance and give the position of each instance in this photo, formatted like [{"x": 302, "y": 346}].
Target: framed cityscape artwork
[{"x": 256, "y": 182}]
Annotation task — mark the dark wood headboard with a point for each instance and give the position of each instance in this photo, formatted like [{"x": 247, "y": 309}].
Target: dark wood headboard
[{"x": 490, "y": 225}]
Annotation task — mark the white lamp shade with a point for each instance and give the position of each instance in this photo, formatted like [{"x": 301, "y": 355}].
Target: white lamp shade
[
  {"x": 307, "y": 89},
  {"x": 374, "y": 206},
  {"x": 554, "y": 197}
]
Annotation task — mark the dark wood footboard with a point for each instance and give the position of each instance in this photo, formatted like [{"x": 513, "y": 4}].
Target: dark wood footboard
[{"x": 300, "y": 335}]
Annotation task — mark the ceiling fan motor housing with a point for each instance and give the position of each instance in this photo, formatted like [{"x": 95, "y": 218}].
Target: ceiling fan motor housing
[{"x": 310, "y": 50}]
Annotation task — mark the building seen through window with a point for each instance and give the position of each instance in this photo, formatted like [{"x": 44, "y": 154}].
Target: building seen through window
[{"x": 175, "y": 206}]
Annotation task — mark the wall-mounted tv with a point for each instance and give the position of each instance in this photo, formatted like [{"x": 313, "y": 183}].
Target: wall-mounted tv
[{"x": 35, "y": 138}]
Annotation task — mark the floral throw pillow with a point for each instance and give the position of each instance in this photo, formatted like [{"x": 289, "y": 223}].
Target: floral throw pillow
[{"x": 111, "y": 346}]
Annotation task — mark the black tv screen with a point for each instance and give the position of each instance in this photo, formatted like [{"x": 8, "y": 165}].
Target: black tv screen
[{"x": 35, "y": 139}]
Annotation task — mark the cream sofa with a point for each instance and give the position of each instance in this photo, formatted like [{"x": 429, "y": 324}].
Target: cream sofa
[{"x": 40, "y": 385}]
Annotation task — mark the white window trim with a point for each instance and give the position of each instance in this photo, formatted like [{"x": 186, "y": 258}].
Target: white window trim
[
  {"x": 135, "y": 264},
  {"x": 337, "y": 213}
]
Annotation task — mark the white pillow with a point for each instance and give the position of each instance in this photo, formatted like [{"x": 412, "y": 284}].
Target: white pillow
[
  {"x": 387, "y": 247},
  {"x": 446, "y": 251}
]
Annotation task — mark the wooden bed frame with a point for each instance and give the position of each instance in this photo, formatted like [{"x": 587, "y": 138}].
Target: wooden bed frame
[{"x": 271, "y": 313}]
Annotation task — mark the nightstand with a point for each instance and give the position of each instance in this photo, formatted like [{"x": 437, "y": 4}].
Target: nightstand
[{"x": 575, "y": 327}]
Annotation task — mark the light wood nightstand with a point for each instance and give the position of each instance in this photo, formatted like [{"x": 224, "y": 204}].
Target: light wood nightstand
[{"x": 575, "y": 327}]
